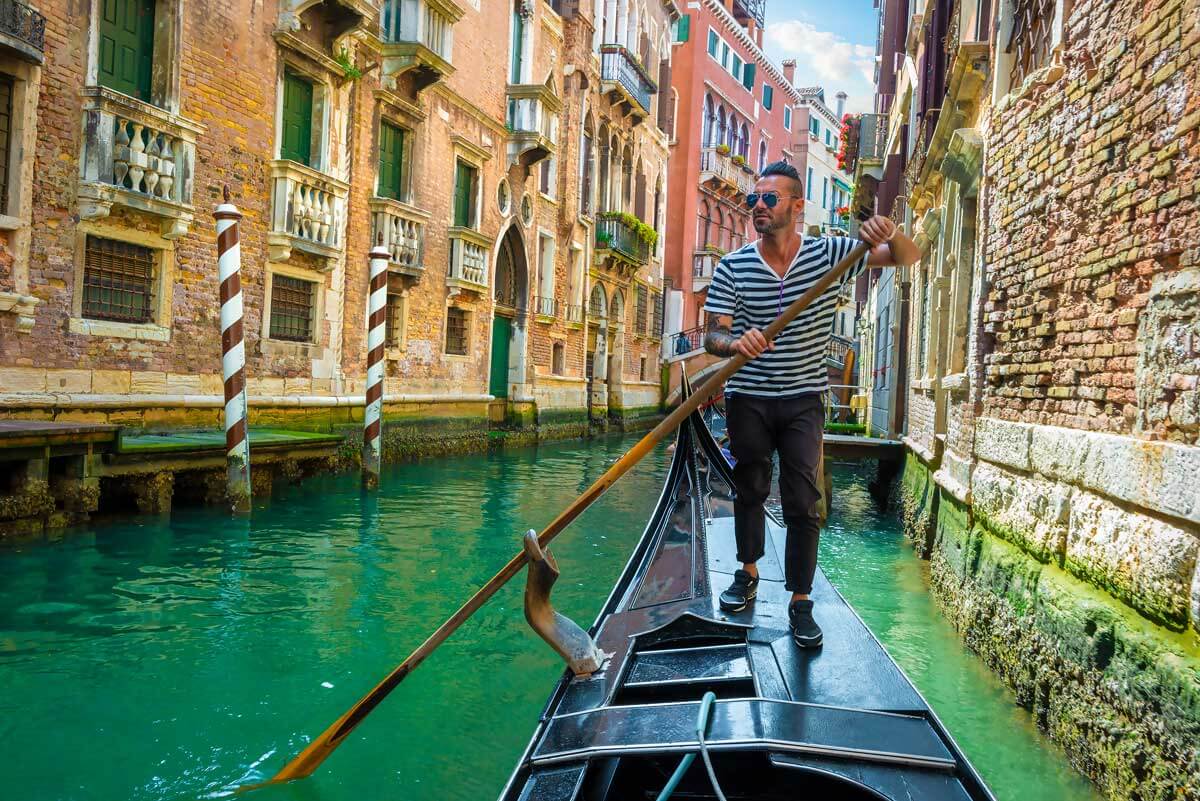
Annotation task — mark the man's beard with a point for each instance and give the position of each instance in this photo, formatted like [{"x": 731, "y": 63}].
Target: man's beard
[{"x": 767, "y": 225}]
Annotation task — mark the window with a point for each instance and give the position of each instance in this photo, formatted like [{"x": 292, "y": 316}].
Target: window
[
  {"x": 545, "y": 302},
  {"x": 641, "y": 320},
  {"x": 466, "y": 191},
  {"x": 518, "y": 45},
  {"x": 456, "y": 331},
  {"x": 768, "y": 96},
  {"x": 828, "y": 139},
  {"x": 824, "y": 193},
  {"x": 714, "y": 42},
  {"x": 814, "y": 126},
  {"x": 1031, "y": 37},
  {"x": 558, "y": 359},
  {"x": 393, "y": 325},
  {"x": 762, "y": 155},
  {"x": 642, "y": 369},
  {"x": 126, "y": 39},
  {"x": 883, "y": 338},
  {"x": 292, "y": 308},
  {"x": 808, "y": 186},
  {"x": 585, "y": 172},
  {"x": 787, "y": 117},
  {"x": 737, "y": 67},
  {"x": 297, "y": 119},
  {"x": 6, "y": 131},
  {"x": 683, "y": 28},
  {"x": 118, "y": 281},
  {"x": 748, "y": 76},
  {"x": 725, "y": 55},
  {"x": 392, "y": 156}
]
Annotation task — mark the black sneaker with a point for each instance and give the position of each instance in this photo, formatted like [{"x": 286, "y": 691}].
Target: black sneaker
[
  {"x": 805, "y": 631},
  {"x": 740, "y": 592}
]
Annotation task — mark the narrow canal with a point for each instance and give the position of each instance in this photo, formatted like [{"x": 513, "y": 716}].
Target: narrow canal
[{"x": 170, "y": 659}]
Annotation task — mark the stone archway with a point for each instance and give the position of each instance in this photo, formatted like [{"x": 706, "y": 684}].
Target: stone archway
[
  {"x": 616, "y": 349},
  {"x": 510, "y": 290}
]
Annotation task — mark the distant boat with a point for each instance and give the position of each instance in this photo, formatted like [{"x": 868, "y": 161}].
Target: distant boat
[{"x": 842, "y": 722}]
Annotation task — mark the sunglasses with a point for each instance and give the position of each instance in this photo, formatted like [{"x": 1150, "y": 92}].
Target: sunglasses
[{"x": 769, "y": 199}]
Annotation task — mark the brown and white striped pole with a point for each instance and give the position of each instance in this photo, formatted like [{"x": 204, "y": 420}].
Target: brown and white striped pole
[
  {"x": 233, "y": 356},
  {"x": 376, "y": 320}
]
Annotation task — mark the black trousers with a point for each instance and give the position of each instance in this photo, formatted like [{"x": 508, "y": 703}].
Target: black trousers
[{"x": 757, "y": 428}]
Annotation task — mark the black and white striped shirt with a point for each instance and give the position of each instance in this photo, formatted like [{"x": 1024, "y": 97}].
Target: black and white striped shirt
[{"x": 746, "y": 288}]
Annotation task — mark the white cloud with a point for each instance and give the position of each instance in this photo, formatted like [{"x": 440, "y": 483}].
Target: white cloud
[{"x": 825, "y": 59}]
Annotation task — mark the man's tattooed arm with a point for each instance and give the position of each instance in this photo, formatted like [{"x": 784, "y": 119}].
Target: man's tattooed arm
[{"x": 719, "y": 341}]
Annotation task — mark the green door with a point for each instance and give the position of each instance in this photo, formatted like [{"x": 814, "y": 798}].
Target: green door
[
  {"x": 464, "y": 195},
  {"x": 518, "y": 46},
  {"x": 501, "y": 332},
  {"x": 127, "y": 46},
  {"x": 391, "y": 161},
  {"x": 297, "y": 119}
]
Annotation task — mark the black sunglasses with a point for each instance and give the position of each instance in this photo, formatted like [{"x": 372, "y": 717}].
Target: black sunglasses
[{"x": 769, "y": 199}]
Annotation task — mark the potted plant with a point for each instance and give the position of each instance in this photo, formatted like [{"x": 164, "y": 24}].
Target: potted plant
[
  {"x": 723, "y": 149},
  {"x": 739, "y": 160}
]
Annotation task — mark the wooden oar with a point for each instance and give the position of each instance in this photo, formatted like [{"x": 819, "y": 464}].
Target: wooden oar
[{"x": 320, "y": 749}]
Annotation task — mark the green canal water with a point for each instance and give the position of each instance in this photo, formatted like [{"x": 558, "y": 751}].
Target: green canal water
[{"x": 172, "y": 659}]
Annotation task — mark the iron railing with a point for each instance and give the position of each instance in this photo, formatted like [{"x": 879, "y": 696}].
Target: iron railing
[
  {"x": 613, "y": 233},
  {"x": 687, "y": 341},
  {"x": 872, "y": 137},
  {"x": 23, "y": 23},
  {"x": 836, "y": 350},
  {"x": 620, "y": 66}
]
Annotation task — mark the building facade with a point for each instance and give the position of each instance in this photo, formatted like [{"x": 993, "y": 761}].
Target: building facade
[
  {"x": 816, "y": 143},
  {"x": 733, "y": 117},
  {"x": 1049, "y": 156},
  {"x": 511, "y": 157}
]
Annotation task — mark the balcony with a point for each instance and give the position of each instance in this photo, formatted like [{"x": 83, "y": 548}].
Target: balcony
[
  {"x": 531, "y": 122},
  {"x": 616, "y": 237},
  {"x": 837, "y": 350},
  {"x": 574, "y": 313},
  {"x": 308, "y": 212},
  {"x": 872, "y": 139},
  {"x": 723, "y": 175},
  {"x": 704, "y": 262},
  {"x": 746, "y": 10},
  {"x": 626, "y": 81},
  {"x": 22, "y": 31},
  {"x": 138, "y": 156},
  {"x": 468, "y": 260},
  {"x": 545, "y": 308},
  {"x": 400, "y": 228},
  {"x": 418, "y": 37}
]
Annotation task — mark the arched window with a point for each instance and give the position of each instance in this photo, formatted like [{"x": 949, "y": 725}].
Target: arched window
[
  {"x": 722, "y": 243},
  {"x": 762, "y": 155},
  {"x": 627, "y": 179},
  {"x": 710, "y": 122},
  {"x": 704, "y": 234},
  {"x": 722, "y": 130},
  {"x": 587, "y": 166},
  {"x": 744, "y": 142}
]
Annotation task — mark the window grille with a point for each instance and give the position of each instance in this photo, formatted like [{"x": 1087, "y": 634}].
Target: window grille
[
  {"x": 292, "y": 308},
  {"x": 118, "y": 281},
  {"x": 1029, "y": 42},
  {"x": 6, "y": 91},
  {"x": 456, "y": 331},
  {"x": 641, "y": 310},
  {"x": 393, "y": 324}
]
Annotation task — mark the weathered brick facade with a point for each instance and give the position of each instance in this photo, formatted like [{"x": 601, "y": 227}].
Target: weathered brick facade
[{"x": 216, "y": 92}]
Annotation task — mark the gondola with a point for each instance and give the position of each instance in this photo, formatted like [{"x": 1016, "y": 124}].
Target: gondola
[{"x": 676, "y": 673}]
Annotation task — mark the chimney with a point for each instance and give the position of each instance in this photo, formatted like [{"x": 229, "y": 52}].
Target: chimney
[
  {"x": 789, "y": 71},
  {"x": 841, "y": 104}
]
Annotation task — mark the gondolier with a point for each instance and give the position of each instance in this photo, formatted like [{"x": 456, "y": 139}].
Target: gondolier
[{"x": 775, "y": 403}]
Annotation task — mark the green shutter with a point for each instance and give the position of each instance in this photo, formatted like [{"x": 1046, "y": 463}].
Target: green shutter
[
  {"x": 464, "y": 183},
  {"x": 297, "y": 119},
  {"x": 713, "y": 43},
  {"x": 127, "y": 46},
  {"x": 768, "y": 96},
  {"x": 391, "y": 161},
  {"x": 684, "y": 29},
  {"x": 748, "y": 76},
  {"x": 517, "y": 45}
]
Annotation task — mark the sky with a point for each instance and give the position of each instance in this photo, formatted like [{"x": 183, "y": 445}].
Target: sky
[{"x": 833, "y": 42}]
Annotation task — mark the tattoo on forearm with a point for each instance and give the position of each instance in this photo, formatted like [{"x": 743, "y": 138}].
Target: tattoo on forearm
[{"x": 719, "y": 340}]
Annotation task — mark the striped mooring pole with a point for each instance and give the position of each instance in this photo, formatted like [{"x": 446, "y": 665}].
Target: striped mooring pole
[
  {"x": 373, "y": 416},
  {"x": 233, "y": 356}
]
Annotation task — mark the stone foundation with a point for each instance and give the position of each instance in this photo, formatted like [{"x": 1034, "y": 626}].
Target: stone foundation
[{"x": 1118, "y": 692}]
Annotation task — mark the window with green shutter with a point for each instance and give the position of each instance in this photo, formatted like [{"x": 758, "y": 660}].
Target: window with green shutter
[
  {"x": 126, "y": 38},
  {"x": 748, "y": 76},
  {"x": 684, "y": 28},
  {"x": 518, "y": 45},
  {"x": 768, "y": 96},
  {"x": 466, "y": 183},
  {"x": 392, "y": 166},
  {"x": 713, "y": 42},
  {"x": 297, "y": 119}
]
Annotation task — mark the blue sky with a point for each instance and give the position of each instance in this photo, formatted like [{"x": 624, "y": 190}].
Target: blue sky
[{"x": 833, "y": 43}]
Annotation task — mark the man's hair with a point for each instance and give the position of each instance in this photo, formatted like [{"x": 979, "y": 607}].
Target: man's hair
[{"x": 787, "y": 171}]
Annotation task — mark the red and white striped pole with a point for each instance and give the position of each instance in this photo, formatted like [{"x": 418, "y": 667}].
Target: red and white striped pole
[
  {"x": 233, "y": 356},
  {"x": 376, "y": 320}
]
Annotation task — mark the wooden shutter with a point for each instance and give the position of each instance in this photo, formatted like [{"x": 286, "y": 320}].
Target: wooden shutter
[
  {"x": 297, "y": 119},
  {"x": 683, "y": 30},
  {"x": 126, "y": 37},
  {"x": 391, "y": 161},
  {"x": 464, "y": 184},
  {"x": 666, "y": 108},
  {"x": 768, "y": 96},
  {"x": 748, "y": 76}
]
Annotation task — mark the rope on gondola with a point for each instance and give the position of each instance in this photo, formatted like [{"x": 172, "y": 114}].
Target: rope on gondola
[{"x": 706, "y": 705}]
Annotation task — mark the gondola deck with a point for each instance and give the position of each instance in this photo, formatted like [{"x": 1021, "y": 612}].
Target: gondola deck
[{"x": 839, "y": 722}]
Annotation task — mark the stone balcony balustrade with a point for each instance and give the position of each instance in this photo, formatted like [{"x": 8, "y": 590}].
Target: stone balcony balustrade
[
  {"x": 418, "y": 36},
  {"x": 704, "y": 262},
  {"x": 139, "y": 156},
  {"x": 308, "y": 212},
  {"x": 531, "y": 121},
  {"x": 403, "y": 234},
  {"x": 469, "y": 251}
]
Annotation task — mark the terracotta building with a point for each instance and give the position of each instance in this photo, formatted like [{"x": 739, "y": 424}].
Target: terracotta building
[
  {"x": 733, "y": 116},
  {"x": 510, "y": 154},
  {"x": 1050, "y": 166}
]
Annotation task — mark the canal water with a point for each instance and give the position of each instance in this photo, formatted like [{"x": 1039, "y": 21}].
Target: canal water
[{"x": 173, "y": 659}]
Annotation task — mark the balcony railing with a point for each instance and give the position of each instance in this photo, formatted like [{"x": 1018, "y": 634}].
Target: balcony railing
[
  {"x": 615, "y": 234},
  {"x": 400, "y": 228},
  {"x": 136, "y": 155},
  {"x": 419, "y": 35},
  {"x": 574, "y": 313},
  {"x": 872, "y": 138},
  {"x": 545, "y": 307},
  {"x": 704, "y": 262},
  {"x": 836, "y": 350},
  {"x": 23, "y": 30},
  {"x": 620, "y": 68},
  {"x": 308, "y": 209},
  {"x": 687, "y": 341},
  {"x": 722, "y": 170},
  {"x": 531, "y": 122},
  {"x": 746, "y": 10},
  {"x": 468, "y": 259}
]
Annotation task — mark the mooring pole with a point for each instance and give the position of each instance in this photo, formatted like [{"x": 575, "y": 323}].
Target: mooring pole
[
  {"x": 233, "y": 356},
  {"x": 376, "y": 320}
]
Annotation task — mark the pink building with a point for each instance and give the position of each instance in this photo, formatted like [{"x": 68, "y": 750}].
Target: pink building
[{"x": 733, "y": 116}]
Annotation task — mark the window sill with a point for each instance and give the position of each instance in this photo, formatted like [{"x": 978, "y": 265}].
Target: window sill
[
  {"x": 282, "y": 347},
  {"x": 457, "y": 357},
  {"x": 548, "y": 198},
  {"x": 394, "y": 353},
  {"x": 8, "y": 223},
  {"x": 147, "y": 332}
]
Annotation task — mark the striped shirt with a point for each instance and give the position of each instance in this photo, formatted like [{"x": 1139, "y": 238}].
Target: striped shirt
[{"x": 746, "y": 288}]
